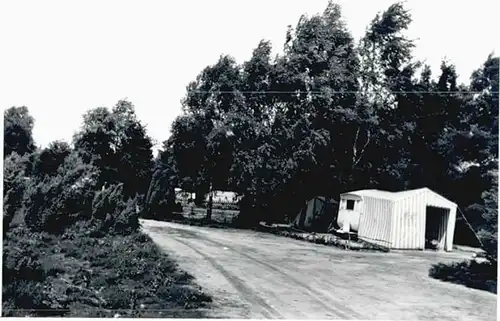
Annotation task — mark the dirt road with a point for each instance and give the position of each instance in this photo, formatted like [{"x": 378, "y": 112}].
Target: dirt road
[{"x": 259, "y": 275}]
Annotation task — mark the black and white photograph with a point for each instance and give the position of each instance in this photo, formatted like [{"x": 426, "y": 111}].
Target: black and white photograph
[{"x": 280, "y": 159}]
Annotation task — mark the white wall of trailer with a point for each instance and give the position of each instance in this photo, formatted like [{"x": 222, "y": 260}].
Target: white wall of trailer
[
  {"x": 408, "y": 224},
  {"x": 376, "y": 221},
  {"x": 350, "y": 219},
  {"x": 409, "y": 220},
  {"x": 358, "y": 202},
  {"x": 399, "y": 221}
]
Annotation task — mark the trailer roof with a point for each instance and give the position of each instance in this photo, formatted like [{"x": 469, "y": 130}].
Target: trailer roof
[{"x": 394, "y": 196}]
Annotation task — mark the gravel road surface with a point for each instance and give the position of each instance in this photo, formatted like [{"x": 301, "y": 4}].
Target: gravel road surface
[{"x": 259, "y": 275}]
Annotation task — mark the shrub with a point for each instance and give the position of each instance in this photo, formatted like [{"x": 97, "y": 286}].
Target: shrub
[
  {"x": 54, "y": 203},
  {"x": 127, "y": 221},
  {"x": 118, "y": 216},
  {"x": 107, "y": 200},
  {"x": 472, "y": 274},
  {"x": 77, "y": 274},
  {"x": 13, "y": 189},
  {"x": 52, "y": 206},
  {"x": 24, "y": 295},
  {"x": 21, "y": 261},
  {"x": 25, "y": 285}
]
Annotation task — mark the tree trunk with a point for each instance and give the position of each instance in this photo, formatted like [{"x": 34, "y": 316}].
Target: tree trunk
[{"x": 209, "y": 205}]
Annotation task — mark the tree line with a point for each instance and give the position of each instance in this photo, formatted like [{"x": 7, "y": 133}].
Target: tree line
[
  {"x": 71, "y": 239},
  {"x": 99, "y": 180},
  {"x": 327, "y": 115}
]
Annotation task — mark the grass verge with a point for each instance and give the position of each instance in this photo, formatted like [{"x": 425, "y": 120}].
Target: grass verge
[
  {"x": 82, "y": 275},
  {"x": 331, "y": 240}
]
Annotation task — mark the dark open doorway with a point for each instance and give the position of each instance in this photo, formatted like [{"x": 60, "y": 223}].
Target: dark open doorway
[{"x": 436, "y": 222}]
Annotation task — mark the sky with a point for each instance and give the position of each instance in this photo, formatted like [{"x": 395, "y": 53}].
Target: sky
[{"x": 61, "y": 58}]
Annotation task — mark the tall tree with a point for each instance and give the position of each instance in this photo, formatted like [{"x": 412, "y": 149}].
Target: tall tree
[
  {"x": 484, "y": 112},
  {"x": 256, "y": 85},
  {"x": 386, "y": 86},
  {"x": 188, "y": 144},
  {"x": 18, "y": 131},
  {"x": 478, "y": 143},
  {"x": 133, "y": 150},
  {"x": 160, "y": 197},
  {"x": 210, "y": 104},
  {"x": 51, "y": 158},
  {"x": 488, "y": 232},
  {"x": 317, "y": 76},
  {"x": 95, "y": 143},
  {"x": 117, "y": 143}
]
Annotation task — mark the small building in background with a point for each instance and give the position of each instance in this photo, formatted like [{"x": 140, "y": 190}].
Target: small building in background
[
  {"x": 218, "y": 197},
  {"x": 414, "y": 219},
  {"x": 183, "y": 197},
  {"x": 224, "y": 197}
]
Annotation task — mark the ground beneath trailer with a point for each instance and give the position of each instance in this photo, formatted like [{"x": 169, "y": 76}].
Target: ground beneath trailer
[{"x": 259, "y": 275}]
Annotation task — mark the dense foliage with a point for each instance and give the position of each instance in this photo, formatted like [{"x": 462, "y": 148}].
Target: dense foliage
[
  {"x": 72, "y": 245},
  {"x": 14, "y": 168},
  {"x": 79, "y": 275},
  {"x": 116, "y": 142},
  {"x": 54, "y": 202},
  {"x": 329, "y": 115},
  {"x": 17, "y": 131}
]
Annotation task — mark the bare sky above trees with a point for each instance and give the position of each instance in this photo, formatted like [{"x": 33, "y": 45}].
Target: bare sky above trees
[{"x": 62, "y": 58}]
